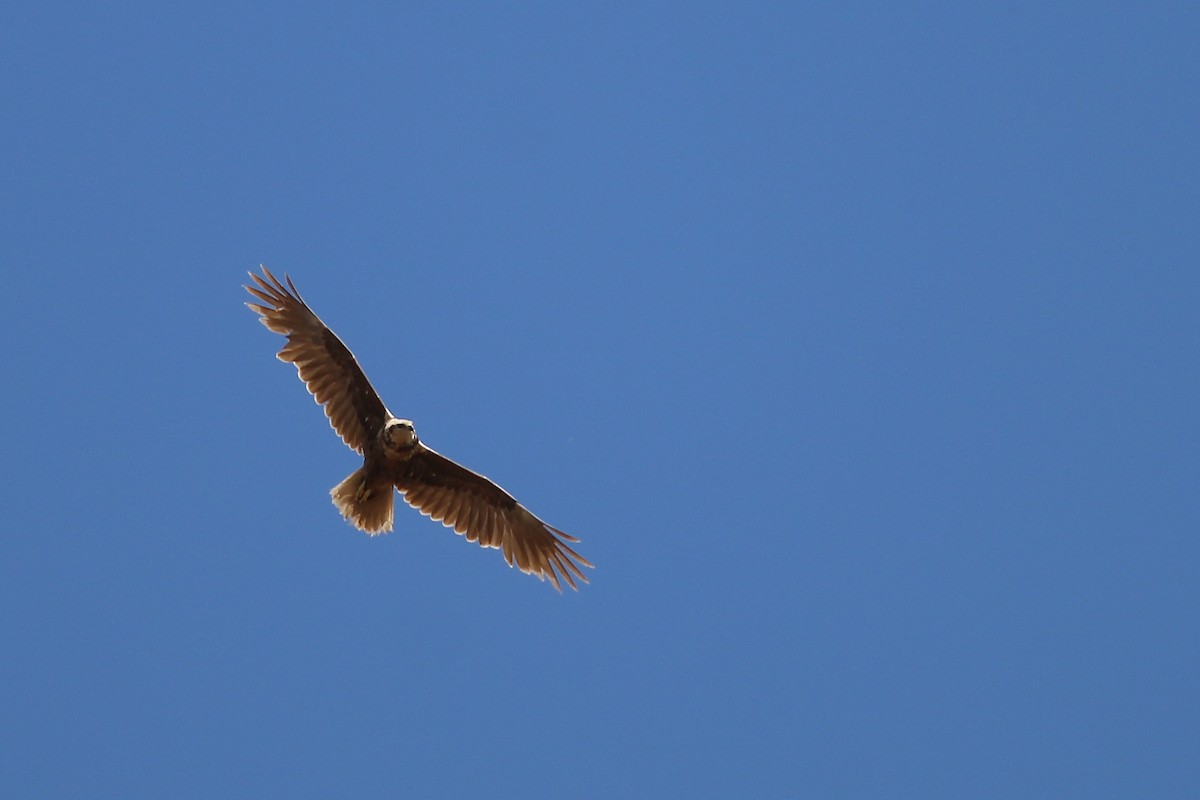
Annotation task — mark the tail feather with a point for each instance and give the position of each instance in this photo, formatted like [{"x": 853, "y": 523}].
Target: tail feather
[{"x": 365, "y": 501}]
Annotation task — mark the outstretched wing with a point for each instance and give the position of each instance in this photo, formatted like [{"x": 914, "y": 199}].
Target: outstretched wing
[
  {"x": 483, "y": 512},
  {"x": 325, "y": 365}
]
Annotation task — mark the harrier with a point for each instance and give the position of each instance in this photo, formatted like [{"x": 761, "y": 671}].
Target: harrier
[{"x": 393, "y": 456}]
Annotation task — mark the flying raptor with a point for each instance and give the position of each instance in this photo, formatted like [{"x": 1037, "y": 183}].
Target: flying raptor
[{"x": 393, "y": 456}]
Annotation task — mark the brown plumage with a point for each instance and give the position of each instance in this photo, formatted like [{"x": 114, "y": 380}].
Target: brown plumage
[{"x": 393, "y": 455}]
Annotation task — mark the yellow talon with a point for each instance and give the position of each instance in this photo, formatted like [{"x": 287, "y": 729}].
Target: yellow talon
[{"x": 363, "y": 492}]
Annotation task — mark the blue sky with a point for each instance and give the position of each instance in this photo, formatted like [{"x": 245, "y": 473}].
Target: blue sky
[{"x": 858, "y": 343}]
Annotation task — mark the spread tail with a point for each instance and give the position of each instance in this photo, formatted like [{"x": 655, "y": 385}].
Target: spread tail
[{"x": 365, "y": 501}]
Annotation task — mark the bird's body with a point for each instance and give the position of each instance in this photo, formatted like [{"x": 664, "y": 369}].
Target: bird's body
[{"x": 394, "y": 456}]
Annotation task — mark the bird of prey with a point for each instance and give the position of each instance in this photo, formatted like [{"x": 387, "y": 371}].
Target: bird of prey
[{"x": 393, "y": 455}]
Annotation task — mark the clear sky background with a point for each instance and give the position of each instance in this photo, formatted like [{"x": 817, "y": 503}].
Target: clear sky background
[{"x": 858, "y": 343}]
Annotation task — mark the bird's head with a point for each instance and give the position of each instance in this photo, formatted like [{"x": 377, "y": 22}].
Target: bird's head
[{"x": 399, "y": 433}]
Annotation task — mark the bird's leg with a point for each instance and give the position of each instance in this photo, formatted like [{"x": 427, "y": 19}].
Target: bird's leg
[{"x": 363, "y": 492}]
